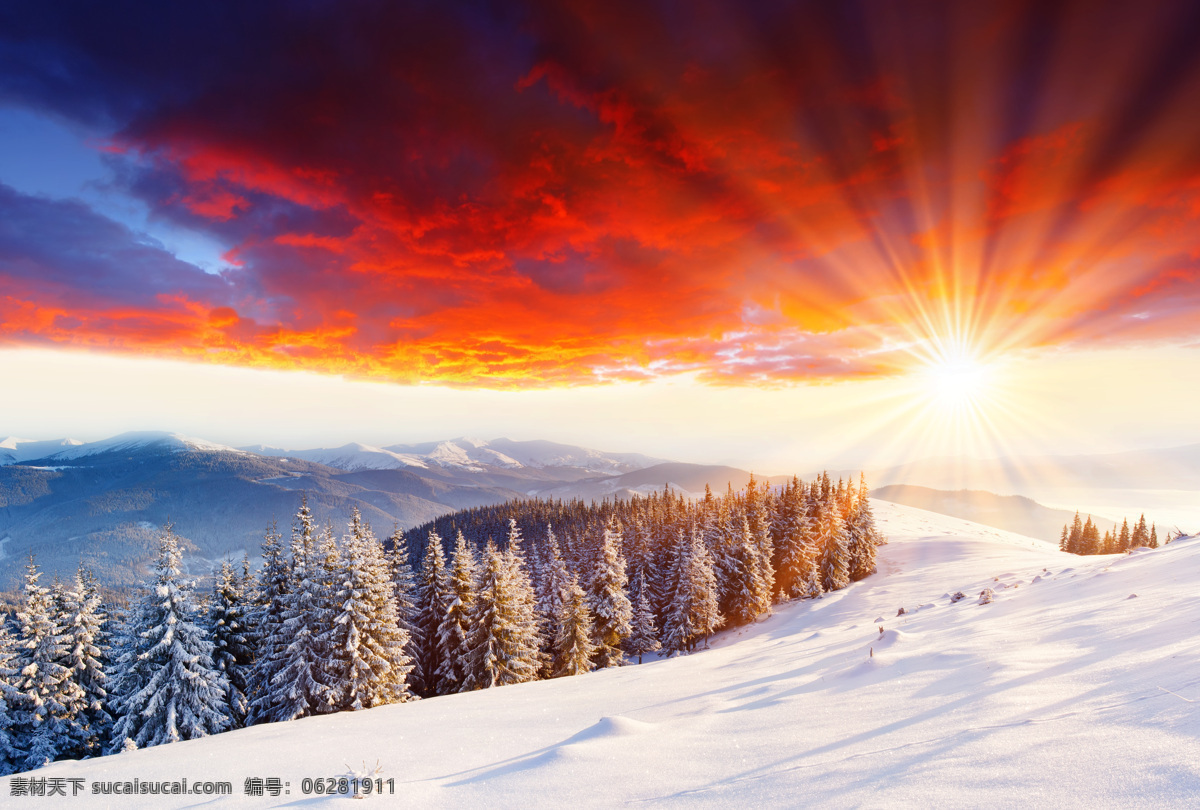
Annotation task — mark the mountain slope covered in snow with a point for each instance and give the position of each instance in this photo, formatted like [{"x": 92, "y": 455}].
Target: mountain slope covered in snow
[
  {"x": 1075, "y": 686},
  {"x": 104, "y": 503},
  {"x": 1011, "y": 512}
]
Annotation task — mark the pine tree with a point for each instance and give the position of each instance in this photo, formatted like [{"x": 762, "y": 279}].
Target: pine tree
[
  {"x": 44, "y": 700},
  {"x": 643, "y": 637},
  {"x": 790, "y": 549},
  {"x": 432, "y": 602},
  {"x": 1090, "y": 543},
  {"x": 694, "y": 611},
  {"x": 86, "y": 640},
  {"x": 810, "y": 570},
  {"x": 749, "y": 593},
  {"x": 504, "y": 641},
  {"x": 232, "y": 653},
  {"x": 403, "y": 581},
  {"x": 811, "y": 585},
  {"x": 366, "y": 646},
  {"x": 608, "y": 604},
  {"x": 167, "y": 687},
  {"x": 1141, "y": 535},
  {"x": 552, "y": 594},
  {"x": 660, "y": 551},
  {"x": 1123, "y": 542},
  {"x": 303, "y": 686},
  {"x": 864, "y": 537},
  {"x": 757, "y": 518},
  {"x": 524, "y": 598},
  {"x": 834, "y": 545},
  {"x": 9, "y": 756},
  {"x": 725, "y": 539},
  {"x": 267, "y": 623},
  {"x": 1153, "y": 543},
  {"x": 573, "y": 645},
  {"x": 455, "y": 628},
  {"x": 1075, "y": 537}
]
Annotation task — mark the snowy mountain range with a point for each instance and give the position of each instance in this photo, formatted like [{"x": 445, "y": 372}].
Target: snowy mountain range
[
  {"x": 1074, "y": 687},
  {"x": 104, "y": 502},
  {"x": 471, "y": 455}
]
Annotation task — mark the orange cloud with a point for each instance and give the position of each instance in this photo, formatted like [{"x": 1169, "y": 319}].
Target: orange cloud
[{"x": 755, "y": 195}]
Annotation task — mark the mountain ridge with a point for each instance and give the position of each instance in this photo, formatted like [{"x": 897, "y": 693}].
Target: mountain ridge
[{"x": 102, "y": 503}]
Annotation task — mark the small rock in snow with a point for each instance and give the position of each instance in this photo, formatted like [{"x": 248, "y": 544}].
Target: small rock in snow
[
  {"x": 1132, "y": 596},
  {"x": 986, "y": 596},
  {"x": 958, "y": 597}
]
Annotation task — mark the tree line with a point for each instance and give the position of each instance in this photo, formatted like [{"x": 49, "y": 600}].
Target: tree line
[
  {"x": 526, "y": 590},
  {"x": 1083, "y": 537}
]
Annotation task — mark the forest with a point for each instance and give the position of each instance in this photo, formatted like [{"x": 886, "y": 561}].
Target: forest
[{"x": 481, "y": 598}]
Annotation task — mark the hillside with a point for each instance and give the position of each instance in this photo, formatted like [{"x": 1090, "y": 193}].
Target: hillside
[
  {"x": 1014, "y": 513},
  {"x": 1067, "y": 690}
]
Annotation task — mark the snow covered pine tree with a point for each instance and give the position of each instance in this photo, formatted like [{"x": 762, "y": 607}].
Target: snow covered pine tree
[{"x": 167, "y": 686}]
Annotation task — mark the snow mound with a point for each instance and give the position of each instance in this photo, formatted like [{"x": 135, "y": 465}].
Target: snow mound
[
  {"x": 607, "y": 727},
  {"x": 890, "y": 638}
]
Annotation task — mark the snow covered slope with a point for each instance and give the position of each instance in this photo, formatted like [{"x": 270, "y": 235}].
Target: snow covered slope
[
  {"x": 352, "y": 457},
  {"x": 17, "y": 451},
  {"x": 1066, "y": 690}
]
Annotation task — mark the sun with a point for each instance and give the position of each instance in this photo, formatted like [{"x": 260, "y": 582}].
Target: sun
[{"x": 957, "y": 382}]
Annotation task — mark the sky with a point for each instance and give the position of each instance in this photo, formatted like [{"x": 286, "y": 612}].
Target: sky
[{"x": 728, "y": 232}]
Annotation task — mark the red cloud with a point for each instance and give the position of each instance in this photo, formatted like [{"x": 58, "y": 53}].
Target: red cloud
[{"x": 590, "y": 192}]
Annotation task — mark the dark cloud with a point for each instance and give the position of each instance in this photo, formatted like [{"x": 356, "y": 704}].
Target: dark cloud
[{"x": 86, "y": 258}]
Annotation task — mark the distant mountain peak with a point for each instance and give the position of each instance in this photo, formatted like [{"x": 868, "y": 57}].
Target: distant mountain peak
[
  {"x": 136, "y": 440},
  {"x": 468, "y": 455}
]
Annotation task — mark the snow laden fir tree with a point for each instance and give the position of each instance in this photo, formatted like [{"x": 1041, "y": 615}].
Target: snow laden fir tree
[
  {"x": 334, "y": 624},
  {"x": 44, "y": 702},
  {"x": 167, "y": 688}
]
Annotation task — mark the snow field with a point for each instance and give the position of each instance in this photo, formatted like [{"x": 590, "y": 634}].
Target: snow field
[{"x": 1064, "y": 691}]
